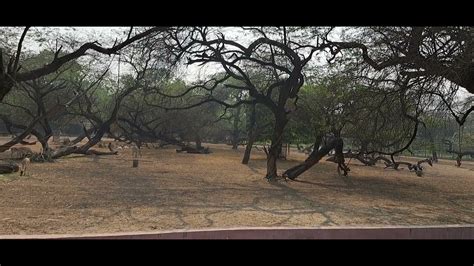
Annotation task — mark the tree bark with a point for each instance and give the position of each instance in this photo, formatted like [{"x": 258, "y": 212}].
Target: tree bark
[
  {"x": 251, "y": 135},
  {"x": 44, "y": 140},
  {"x": 64, "y": 152},
  {"x": 280, "y": 151},
  {"x": 335, "y": 143},
  {"x": 84, "y": 149},
  {"x": 18, "y": 138},
  {"x": 274, "y": 150},
  {"x": 271, "y": 164}
]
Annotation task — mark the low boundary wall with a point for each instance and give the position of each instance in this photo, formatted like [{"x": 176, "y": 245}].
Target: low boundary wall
[{"x": 385, "y": 232}]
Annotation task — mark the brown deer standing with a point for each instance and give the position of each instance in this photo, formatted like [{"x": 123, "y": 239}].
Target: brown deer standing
[
  {"x": 136, "y": 151},
  {"x": 24, "y": 165}
]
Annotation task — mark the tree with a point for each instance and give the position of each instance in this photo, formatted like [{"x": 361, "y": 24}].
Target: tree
[
  {"x": 35, "y": 98},
  {"x": 258, "y": 127},
  {"x": 443, "y": 54},
  {"x": 446, "y": 52},
  {"x": 279, "y": 55},
  {"x": 10, "y": 73}
]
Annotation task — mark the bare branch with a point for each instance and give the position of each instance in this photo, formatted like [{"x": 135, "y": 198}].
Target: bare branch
[{"x": 18, "y": 50}]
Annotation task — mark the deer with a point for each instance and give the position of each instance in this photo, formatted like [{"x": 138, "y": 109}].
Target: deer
[
  {"x": 24, "y": 164},
  {"x": 21, "y": 151},
  {"x": 136, "y": 151}
]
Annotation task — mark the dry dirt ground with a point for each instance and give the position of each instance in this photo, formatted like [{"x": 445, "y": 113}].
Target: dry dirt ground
[{"x": 169, "y": 190}]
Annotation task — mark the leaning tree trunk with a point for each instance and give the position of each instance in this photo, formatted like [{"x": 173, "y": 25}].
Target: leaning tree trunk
[
  {"x": 251, "y": 135},
  {"x": 17, "y": 139},
  {"x": 64, "y": 152},
  {"x": 335, "y": 143},
  {"x": 85, "y": 149},
  {"x": 274, "y": 150}
]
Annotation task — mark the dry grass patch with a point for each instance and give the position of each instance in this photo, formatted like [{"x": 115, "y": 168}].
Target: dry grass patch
[{"x": 169, "y": 190}]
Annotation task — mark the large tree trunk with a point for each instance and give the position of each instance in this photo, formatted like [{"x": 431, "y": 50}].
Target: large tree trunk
[
  {"x": 271, "y": 164},
  {"x": 248, "y": 149},
  {"x": 251, "y": 135},
  {"x": 84, "y": 149},
  {"x": 274, "y": 150},
  {"x": 281, "y": 155},
  {"x": 335, "y": 143},
  {"x": 18, "y": 138},
  {"x": 80, "y": 150},
  {"x": 44, "y": 142},
  {"x": 64, "y": 152}
]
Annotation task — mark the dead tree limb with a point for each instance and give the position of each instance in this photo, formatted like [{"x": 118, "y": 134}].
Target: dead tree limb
[
  {"x": 7, "y": 168},
  {"x": 361, "y": 158},
  {"x": 417, "y": 168}
]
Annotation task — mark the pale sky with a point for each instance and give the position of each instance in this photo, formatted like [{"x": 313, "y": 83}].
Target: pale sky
[{"x": 106, "y": 35}]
